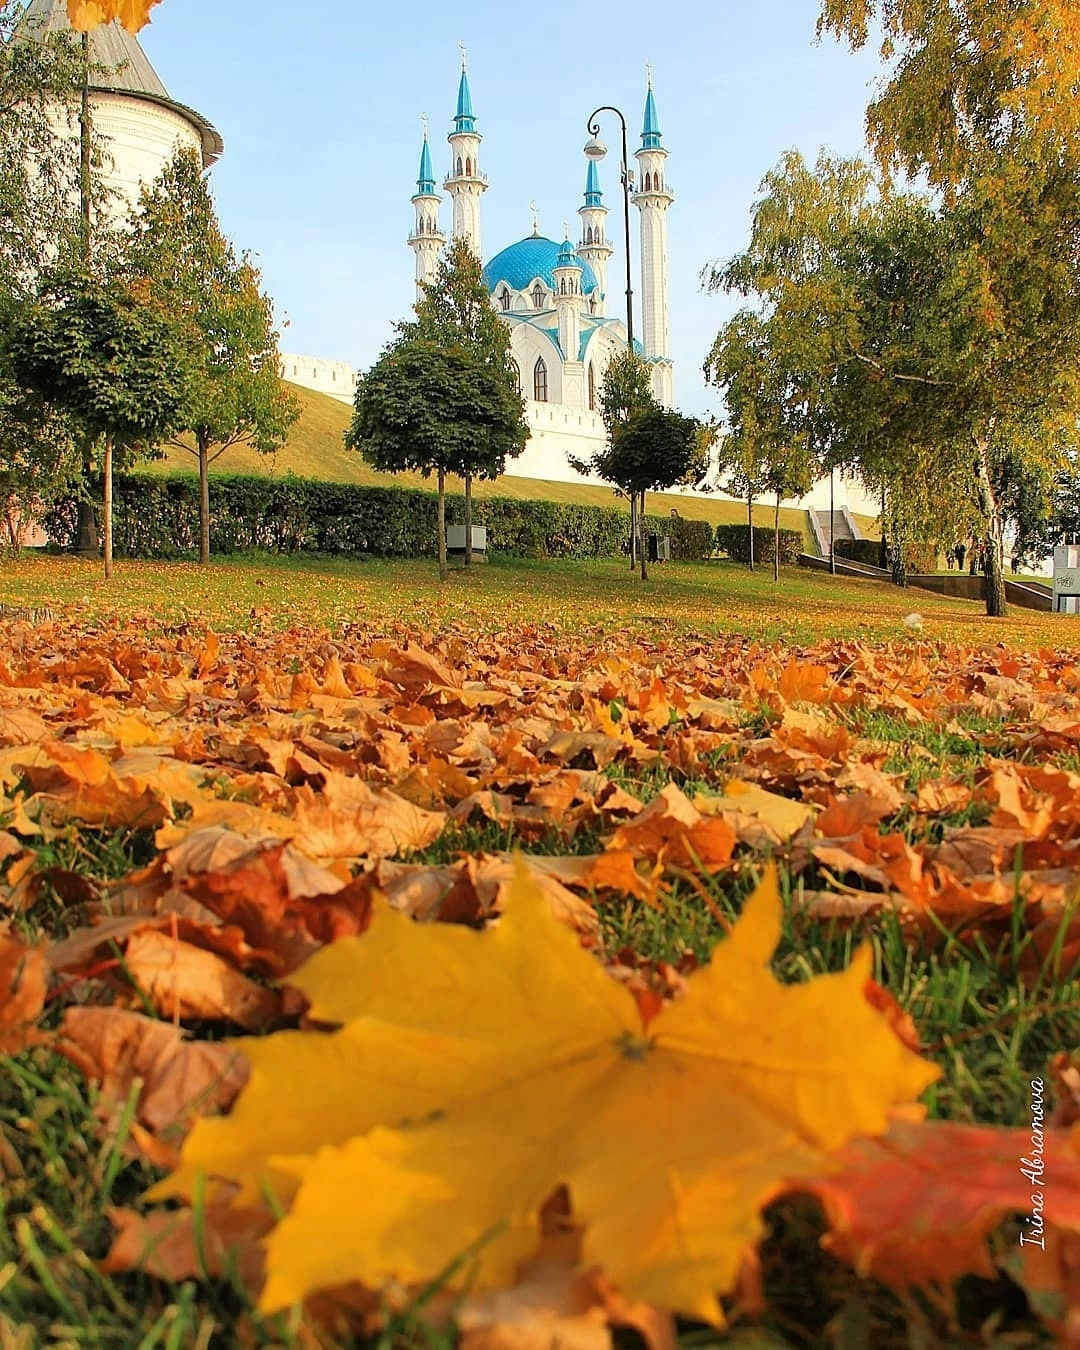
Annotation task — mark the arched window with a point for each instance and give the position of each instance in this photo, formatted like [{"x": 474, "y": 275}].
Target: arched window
[
  {"x": 517, "y": 373},
  {"x": 592, "y": 387},
  {"x": 540, "y": 381},
  {"x": 459, "y": 166},
  {"x": 588, "y": 234},
  {"x": 648, "y": 182},
  {"x": 468, "y": 166},
  {"x": 592, "y": 303},
  {"x": 538, "y": 296},
  {"x": 562, "y": 285},
  {"x": 505, "y": 298}
]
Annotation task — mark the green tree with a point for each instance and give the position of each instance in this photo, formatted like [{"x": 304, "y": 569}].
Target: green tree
[
  {"x": 455, "y": 310},
  {"x": 981, "y": 100},
  {"x": 658, "y": 449},
  {"x": 108, "y": 360},
  {"x": 41, "y": 77},
  {"x": 625, "y": 395},
  {"x": 226, "y": 323},
  {"x": 433, "y": 408}
]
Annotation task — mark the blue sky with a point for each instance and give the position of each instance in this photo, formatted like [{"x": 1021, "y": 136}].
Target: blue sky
[{"x": 320, "y": 105}]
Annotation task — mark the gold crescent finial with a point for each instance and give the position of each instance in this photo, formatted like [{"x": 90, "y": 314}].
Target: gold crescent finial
[
  {"x": 424, "y": 124},
  {"x": 648, "y": 72},
  {"x": 536, "y": 218},
  {"x": 462, "y": 47},
  {"x": 565, "y": 230}
]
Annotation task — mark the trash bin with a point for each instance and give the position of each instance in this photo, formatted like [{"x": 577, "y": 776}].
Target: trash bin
[{"x": 653, "y": 553}]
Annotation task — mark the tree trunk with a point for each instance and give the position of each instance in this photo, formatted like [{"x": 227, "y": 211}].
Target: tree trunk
[
  {"x": 442, "y": 523},
  {"x": 468, "y": 520},
  {"x": 883, "y": 547},
  {"x": 644, "y": 541},
  {"x": 832, "y": 517},
  {"x": 994, "y": 583},
  {"x": 750, "y": 522},
  {"x": 84, "y": 154},
  {"x": 87, "y": 539},
  {"x": 776, "y": 541},
  {"x": 204, "y": 501},
  {"x": 633, "y": 530},
  {"x": 108, "y": 506}
]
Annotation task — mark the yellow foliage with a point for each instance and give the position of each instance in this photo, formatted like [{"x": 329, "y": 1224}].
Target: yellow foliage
[
  {"x": 476, "y": 1072},
  {"x": 86, "y": 15}
]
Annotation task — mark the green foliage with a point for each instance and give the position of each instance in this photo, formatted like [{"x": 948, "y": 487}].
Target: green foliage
[
  {"x": 429, "y": 408},
  {"x": 159, "y": 518},
  {"x": 98, "y": 352},
  {"x": 734, "y": 540}
]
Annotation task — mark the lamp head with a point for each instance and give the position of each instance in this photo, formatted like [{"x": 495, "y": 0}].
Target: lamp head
[{"x": 595, "y": 148}]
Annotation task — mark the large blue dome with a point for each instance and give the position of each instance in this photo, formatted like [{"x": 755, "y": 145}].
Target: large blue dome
[{"x": 532, "y": 257}]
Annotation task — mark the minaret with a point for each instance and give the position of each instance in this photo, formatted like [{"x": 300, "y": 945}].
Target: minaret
[
  {"x": 568, "y": 304},
  {"x": 465, "y": 183},
  {"x": 594, "y": 247},
  {"x": 427, "y": 239},
  {"x": 652, "y": 198}
]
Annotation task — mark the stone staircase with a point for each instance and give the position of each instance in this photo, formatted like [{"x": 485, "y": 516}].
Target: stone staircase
[{"x": 843, "y": 527}]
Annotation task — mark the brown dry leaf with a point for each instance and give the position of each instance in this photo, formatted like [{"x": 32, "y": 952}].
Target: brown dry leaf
[
  {"x": 759, "y": 817},
  {"x": 177, "y": 1244},
  {"x": 349, "y": 819},
  {"x": 671, "y": 827},
  {"x": 179, "y": 1077},
  {"x": 184, "y": 982},
  {"x": 24, "y": 974}
]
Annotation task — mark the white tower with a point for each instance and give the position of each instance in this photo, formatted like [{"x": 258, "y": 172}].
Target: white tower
[
  {"x": 465, "y": 183},
  {"x": 569, "y": 300},
  {"x": 594, "y": 247},
  {"x": 652, "y": 199},
  {"x": 427, "y": 239}
]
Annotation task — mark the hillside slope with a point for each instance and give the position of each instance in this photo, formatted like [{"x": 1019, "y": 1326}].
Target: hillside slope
[{"x": 315, "y": 450}]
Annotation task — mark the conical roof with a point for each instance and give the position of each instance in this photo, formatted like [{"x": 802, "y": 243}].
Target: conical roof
[{"x": 128, "y": 68}]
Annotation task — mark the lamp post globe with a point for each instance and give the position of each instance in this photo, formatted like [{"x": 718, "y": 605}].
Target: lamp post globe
[{"x": 595, "y": 148}]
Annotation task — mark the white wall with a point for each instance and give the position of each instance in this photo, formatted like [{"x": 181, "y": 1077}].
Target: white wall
[{"x": 336, "y": 378}]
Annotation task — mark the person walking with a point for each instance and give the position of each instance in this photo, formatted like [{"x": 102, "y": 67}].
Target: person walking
[{"x": 960, "y": 550}]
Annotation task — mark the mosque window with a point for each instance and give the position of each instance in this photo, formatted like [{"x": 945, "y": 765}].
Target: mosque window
[
  {"x": 468, "y": 166},
  {"x": 505, "y": 298},
  {"x": 588, "y": 234},
  {"x": 592, "y": 387},
  {"x": 517, "y": 372},
  {"x": 540, "y": 388},
  {"x": 648, "y": 182},
  {"x": 538, "y": 296},
  {"x": 459, "y": 166}
]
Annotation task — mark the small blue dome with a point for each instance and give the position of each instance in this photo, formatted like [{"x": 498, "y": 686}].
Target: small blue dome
[{"x": 534, "y": 256}]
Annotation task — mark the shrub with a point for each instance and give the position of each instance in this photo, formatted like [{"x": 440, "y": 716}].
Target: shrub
[
  {"x": 734, "y": 540},
  {"x": 866, "y": 551},
  {"x": 691, "y": 540},
  {"x": 159, "y": 518}
]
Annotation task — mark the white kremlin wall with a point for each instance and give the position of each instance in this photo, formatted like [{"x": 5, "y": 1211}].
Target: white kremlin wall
[{"x": 336, "y": 378}]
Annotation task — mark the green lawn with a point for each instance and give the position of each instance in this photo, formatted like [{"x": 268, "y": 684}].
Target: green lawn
[{"x": 705, "y": 597}]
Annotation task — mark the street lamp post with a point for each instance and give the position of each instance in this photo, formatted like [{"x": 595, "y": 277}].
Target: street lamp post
[{"x": 596, "y": 149}]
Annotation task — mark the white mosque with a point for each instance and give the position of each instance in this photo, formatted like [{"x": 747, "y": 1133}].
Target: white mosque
[{"x": 554, "y": 296}]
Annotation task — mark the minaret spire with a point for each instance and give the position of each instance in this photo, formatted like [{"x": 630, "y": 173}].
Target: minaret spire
[
  {"x": 594, "y": 247},
  {"x": 652, "y": 198},
  {"x": 465, "y": 183},
  {"x": 427, "y": 238}
]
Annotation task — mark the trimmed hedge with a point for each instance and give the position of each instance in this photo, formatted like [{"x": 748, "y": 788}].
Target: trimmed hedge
[
  {"x": 865, "y": 551},
  {"x": 158, "y": 517},
  {"x": 734, "y": 540}
]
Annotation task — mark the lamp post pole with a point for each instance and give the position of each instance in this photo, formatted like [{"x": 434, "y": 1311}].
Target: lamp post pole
[{"x": 595, "y": 149}]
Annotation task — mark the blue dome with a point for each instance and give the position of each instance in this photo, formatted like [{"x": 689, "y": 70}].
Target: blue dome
[{"x": 531, "y": 257}]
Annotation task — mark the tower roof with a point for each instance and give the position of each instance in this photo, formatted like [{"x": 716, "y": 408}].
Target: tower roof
[
  {"x": 593, "y": 195},
  {"x": 650, "y": 131},
  {"x": 128, "y": 67},
  {"x": 425, "y": 184},
  {"x": 567, "y": 257},
  {"x": 464, "y": 119}
]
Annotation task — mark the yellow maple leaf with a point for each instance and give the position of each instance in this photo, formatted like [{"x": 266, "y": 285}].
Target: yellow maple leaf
[
  {"x": 474, "y": 1073},
  {"x": 85, "y": 15}
]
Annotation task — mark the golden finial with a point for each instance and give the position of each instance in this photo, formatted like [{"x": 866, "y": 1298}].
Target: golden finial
[
  {"x": 536, "y": 218},
  {"x": 424, "y": 124},
  {"x": 462, "y": 47},
  {"x": 648, "y": 72}
]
